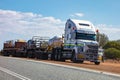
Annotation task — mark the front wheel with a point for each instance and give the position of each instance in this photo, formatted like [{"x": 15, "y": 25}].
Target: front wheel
[
  {"x": 97, "y": 63},
  {"x": 74, "y": 59},
  {"x": 5, "y": 53},
  {"x": 81, "y": 61}
]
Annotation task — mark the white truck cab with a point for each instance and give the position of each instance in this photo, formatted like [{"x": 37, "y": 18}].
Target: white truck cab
[{"x": 80, "y": 35}]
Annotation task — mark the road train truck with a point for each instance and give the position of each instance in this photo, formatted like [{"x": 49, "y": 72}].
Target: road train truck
[{"x": 78, "y": 44}]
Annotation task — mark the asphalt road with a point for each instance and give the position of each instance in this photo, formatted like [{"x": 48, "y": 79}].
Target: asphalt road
[{"x": 21, "y": 69}]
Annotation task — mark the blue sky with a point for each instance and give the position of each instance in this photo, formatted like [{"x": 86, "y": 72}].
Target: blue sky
[
  {"x": 98, "y": 11},
  {"x": 21, "y": 19}
]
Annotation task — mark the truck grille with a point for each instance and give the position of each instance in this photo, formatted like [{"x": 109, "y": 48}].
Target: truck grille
[
  {"x": 92, "y": 49},
  {"x": 80, "y": 49}
]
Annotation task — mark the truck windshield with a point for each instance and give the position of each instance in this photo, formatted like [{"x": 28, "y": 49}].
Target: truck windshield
[
  {"x": 82, "y": 24},
  {"x": 85, "y": 36}
]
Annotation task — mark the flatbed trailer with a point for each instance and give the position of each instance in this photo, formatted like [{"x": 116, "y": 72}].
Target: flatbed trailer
[{"x": 14, "y": 48}]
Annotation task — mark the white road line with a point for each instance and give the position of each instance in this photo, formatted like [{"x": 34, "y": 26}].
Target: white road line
[{"x": 14, "y": 74}]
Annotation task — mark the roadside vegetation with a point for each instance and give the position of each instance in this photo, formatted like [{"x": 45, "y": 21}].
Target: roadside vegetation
[{"x": 111, "y": 48}]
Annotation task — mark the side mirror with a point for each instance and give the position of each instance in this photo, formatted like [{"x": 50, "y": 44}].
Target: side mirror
[
  {"x": 63, "y": 36},
  {"x": 97, "y": 30}
]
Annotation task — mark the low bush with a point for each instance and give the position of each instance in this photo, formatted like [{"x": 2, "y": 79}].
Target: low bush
[{"x": 112, "y": 53}]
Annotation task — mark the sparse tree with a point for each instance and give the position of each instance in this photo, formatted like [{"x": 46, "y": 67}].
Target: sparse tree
[
  {"x": 118, "y": 41},
  {"x": 102, "y": 39}
]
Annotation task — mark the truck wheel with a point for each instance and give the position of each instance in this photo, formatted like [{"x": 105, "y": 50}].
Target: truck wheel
[
  {"x": 45, "y": 55},
  {"x": 41, "y": 56},
  {"x": 59, "y": 57},
  {"x": 74, "y": 59},
  {"x": 56, "y": 54},
  {"x": 21, "y": 54},
  {"x": 5, "y": 53},
  {"x": 56, "y": 57},
  {"x": 13, "y": 54},
  {"x": 25, "y": 55},
  {"x": 63, "y": 60},
  {"x": 29, "y": 54},
  {"x": 36, "y": 55},
  {"x": 97, "y": 63},
  {"x": 18, "y": 54},
  {"x": 81, "y": 61},
  {"x": 52, "y": 57}
]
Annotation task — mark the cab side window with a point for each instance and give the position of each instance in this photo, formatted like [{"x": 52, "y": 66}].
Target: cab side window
[{"x": 69, "y": 26}]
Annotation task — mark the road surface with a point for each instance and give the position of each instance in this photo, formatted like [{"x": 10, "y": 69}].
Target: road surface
[{"x": 22, "y": 69}]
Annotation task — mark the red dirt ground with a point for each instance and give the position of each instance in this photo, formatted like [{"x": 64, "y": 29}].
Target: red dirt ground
[{"x": 107, "y": 66}]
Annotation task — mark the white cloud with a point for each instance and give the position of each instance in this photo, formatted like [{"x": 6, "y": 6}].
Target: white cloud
[
  {"x": 77, "y": 15},
  {"x": 29, "y": 24},
  {"x": 112, "y": 31},
  {"x": 15, "y": 24}
]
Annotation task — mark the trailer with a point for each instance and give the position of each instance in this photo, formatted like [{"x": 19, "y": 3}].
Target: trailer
[
  {"x": 15, "y": 48},
  {"x": 36, "y": 47}
]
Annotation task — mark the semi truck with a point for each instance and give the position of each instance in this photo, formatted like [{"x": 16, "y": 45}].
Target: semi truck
[{"x": 78, "y": 44}]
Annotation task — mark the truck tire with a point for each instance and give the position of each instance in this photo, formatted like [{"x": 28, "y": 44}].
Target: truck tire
[
  {"x": 22, "y": 54},
  {"x": 18, "y": 54},
  {"x": 29, "y": 54},
  {"x": 73, "y": 58},
  {"x": 56, "y": 54},
  {"x": 59, "y": 54},
  {"x": 5, "y": 53},
  {"x": 52, "y": 57},
  {"x": 53, "y": 54},
  {"x": 81, "y": 61},
  {"x": 56, "y": 57},
  {"x": 45, "y": 56},
  {"x": 13, "y": 54},
  {"x": 97, "y": 63},
  {"x": 25, "y": 55},
  {"x": 60, "y": 57},
  {"x": 37, "y": 56}
]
